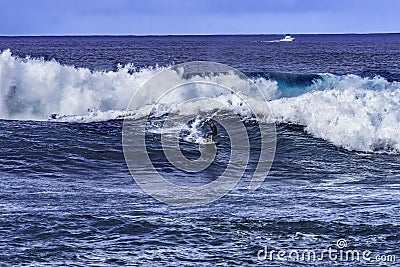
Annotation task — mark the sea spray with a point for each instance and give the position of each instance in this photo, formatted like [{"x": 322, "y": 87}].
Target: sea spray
[{"x": 349, "y": 111}]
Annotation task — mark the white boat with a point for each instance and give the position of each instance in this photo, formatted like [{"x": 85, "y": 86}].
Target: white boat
[{"x": 287, "y": 38}]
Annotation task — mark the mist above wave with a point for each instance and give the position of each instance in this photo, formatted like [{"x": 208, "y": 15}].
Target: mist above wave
[{"x": 33, "y": 89}]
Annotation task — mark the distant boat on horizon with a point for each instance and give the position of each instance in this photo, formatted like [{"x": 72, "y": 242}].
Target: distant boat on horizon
[{"x": 287, "y": 38}]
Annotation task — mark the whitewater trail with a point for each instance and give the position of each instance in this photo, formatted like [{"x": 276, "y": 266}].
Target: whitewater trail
[{"x": 349, "y": 111}]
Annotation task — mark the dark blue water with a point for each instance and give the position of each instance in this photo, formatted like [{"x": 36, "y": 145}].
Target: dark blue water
[
  {"x": 364, "y": 55},
  {"x": 67, "y": 197}
]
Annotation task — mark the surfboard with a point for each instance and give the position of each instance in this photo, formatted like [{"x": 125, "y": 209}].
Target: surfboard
[{"x": 211, "y": 143}]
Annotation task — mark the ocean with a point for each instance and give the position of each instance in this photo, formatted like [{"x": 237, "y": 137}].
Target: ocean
[{"x": 76, "y": 162}]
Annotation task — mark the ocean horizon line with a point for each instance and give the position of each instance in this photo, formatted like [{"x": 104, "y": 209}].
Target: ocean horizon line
[{"x": 191, "y": 35}]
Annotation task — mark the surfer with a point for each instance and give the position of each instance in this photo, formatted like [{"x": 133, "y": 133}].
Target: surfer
[{"x": 213, "y": 132}]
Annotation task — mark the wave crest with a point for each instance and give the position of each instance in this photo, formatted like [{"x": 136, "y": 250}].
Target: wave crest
[
  {"x": 352, "y": 112},
  {"x": 355, "y": 119},
  {"x": 35, "y": 88}
]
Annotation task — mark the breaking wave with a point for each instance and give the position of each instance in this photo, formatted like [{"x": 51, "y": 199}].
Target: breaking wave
[{"x": 349, "y": 111}]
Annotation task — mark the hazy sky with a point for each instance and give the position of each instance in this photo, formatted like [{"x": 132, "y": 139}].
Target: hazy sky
[{"x": 58, "y": 17}]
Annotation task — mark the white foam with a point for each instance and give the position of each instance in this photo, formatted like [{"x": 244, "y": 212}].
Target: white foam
[
  {"x": 330, "y": 81},
  {"x": 33, "y": 89},
  {"x": 355, "y": 113},
  {"x": 352, "y": 118}
]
